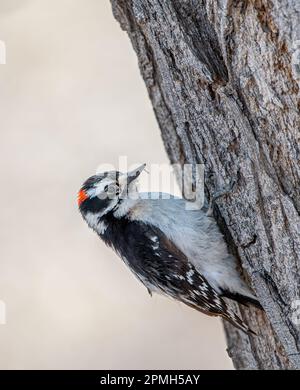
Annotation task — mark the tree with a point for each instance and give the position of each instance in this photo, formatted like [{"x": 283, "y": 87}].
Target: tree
[{"x": 223, "y": 80}]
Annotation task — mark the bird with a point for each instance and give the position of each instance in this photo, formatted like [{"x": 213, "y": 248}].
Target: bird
[{"x": 172, "y": 250}]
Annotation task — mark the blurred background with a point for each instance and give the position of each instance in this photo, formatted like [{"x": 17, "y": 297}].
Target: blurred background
[{"x": 71, "y": 98}]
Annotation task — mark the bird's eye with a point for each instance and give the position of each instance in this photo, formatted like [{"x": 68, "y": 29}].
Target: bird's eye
[{"x": 112, "y": 189}]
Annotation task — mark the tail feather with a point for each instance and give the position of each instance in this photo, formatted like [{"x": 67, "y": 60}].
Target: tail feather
[
  {"x": 243, "y": 299},
  {"x": 224, "y": 311},
  {"x": 235, "y": 320}
]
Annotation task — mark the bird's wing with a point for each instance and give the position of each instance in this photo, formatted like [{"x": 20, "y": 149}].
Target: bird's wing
[{"x": 160, "y": 265}]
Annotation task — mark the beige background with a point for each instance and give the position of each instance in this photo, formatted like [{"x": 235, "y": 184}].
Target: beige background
[{"x": 71, "y": 98}]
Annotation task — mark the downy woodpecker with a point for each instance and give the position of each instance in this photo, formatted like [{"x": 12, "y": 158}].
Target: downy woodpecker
[{"x": 171, "y": 250}]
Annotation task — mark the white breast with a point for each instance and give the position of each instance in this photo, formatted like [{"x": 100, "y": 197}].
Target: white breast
[{"x": 195, "y": 234}]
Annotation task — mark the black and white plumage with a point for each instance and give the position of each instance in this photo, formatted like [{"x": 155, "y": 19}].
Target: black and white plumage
[{"x": 171, "y": 250}]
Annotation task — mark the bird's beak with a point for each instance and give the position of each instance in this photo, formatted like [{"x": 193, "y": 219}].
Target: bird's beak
[
  {"x": 132, "y": 175},
  {"x": 128, "y": 178}
]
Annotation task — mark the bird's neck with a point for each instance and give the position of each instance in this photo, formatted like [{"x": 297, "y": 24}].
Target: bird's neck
[{"x": 124, "y": 208}]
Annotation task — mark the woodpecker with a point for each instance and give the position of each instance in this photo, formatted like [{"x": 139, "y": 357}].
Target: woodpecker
[{"x": 173, "y": 251}]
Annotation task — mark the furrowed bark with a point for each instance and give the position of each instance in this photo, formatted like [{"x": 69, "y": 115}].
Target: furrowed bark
[{"x": 223, "y": 80}]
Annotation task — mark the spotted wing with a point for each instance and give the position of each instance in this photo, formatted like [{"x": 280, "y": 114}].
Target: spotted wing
[{"x": 160, "y": 265}]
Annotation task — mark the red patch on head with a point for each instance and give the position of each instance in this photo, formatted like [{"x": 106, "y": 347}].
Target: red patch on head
[{"x": 82, "y": 196}]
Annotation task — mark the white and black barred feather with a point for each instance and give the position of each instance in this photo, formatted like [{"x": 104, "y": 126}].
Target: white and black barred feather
[{"x": 162, "y": 267}]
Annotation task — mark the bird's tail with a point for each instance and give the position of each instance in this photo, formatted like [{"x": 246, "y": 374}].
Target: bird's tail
[
  {"x": 243, "y": 299},
  {"x": 225, "y": 312},
  {"x": 235, "y": 320}
]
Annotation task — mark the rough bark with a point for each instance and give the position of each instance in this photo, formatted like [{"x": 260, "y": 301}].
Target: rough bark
[{"x": 226, "y": 93}]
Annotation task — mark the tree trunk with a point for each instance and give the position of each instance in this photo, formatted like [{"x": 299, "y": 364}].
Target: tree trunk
[{"x": 223, "y": 79}]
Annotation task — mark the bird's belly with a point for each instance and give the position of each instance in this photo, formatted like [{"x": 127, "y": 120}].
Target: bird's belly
[{"x": 209, "y": 258}]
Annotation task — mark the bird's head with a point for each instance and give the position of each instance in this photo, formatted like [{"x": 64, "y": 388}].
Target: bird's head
[{"x": 104, "y": 192}]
